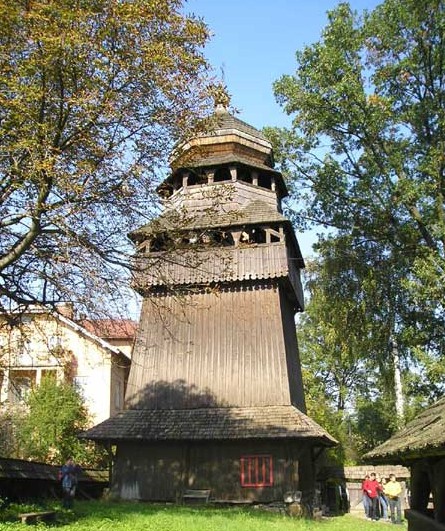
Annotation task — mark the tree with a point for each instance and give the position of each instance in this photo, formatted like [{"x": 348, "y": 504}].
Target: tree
[
  {"x": 48, "y": 433},
  {"x": 346, "y": 341},
  {"x": 92, "y": 95},
  {"x": 365, "y": 157}
]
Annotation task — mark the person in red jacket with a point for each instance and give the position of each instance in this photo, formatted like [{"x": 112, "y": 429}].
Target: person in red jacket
[
  {"x": 372, "y": 487},
  {"x": 366, "y": 499}
]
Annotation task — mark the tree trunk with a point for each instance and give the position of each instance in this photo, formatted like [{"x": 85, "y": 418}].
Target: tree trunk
[{"x": 400, "y": 401}]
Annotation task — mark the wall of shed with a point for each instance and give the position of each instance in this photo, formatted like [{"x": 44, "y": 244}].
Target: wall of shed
[
  {"x": 420, "y": 522},
  {"x": 161, "y": 471},
  {"x": 428, "y": 478},
  {"x": 217, "y": 348}
]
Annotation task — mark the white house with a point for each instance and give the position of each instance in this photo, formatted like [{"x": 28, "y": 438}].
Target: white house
[{"x": 43, "y": 342}]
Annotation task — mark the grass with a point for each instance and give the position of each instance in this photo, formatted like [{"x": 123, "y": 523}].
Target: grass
[{"x": 109, "y": 516}]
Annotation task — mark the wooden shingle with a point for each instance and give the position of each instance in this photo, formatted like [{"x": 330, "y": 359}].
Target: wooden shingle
[
  {"x": 273, "y": 422},
  {"x": 422, "y": 437}
]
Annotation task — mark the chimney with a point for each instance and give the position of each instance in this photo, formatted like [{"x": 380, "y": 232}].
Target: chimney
[{"x": 66, "y": 309}]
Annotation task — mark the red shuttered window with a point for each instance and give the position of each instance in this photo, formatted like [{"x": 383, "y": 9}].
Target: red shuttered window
[{"x": 256, "y": 471}]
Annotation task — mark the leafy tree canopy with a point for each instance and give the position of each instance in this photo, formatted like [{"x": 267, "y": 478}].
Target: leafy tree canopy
[
  {"x": 48, "y": 433},
  {"x": 92, "y": 95},
  {"x": 366, "y": 151},
  {"x": 365, "y": 158}
]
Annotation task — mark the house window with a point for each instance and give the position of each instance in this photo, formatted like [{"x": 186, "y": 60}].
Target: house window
[
  {"x": 54, "y": 342},
  {"x": 20, "y": 387},
  {"x": 256, "y": 471},
  {"x": 24, "y": 356}
]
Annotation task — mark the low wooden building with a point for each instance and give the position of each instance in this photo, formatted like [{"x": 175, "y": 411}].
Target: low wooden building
[
  {"x": 21, "y": 481},
  {"x": 215, "y": 397},
  {"x": 421, "y": 447}
]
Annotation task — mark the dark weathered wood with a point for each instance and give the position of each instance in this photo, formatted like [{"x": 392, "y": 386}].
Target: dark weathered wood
[
  {"x": 196, "y": 495},
  {"x": 421, "y": 522},
  {"x": 438, "y": 489},
  {"x": 34, "y": 518},
  {"x": 216, "y": 265},
  {"x": 227, "y": 347},
  {"x": 163, "y": 471},
  {"x": 215, "y": 369}
]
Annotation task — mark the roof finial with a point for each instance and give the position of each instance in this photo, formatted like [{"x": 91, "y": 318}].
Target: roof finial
[{"x": 221, "y": 98}]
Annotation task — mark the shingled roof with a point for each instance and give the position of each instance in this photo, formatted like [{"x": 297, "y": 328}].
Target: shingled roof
[
  {"x": 272, "y": 422},
  {"x": 218, "y": 159},
  {"x": 23, "y": 469},
  {"x": 226, "y": 121},
  {"x": 110, "y": 328},
  {"x": 422, "y": 437},
  {"x": 254, "y": 213}
]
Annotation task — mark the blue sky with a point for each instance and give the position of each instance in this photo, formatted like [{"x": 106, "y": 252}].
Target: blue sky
[{"x": 254, "y": 43}]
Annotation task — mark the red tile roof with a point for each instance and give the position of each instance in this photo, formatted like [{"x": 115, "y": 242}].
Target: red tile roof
[{"x": 110, "y": 328}]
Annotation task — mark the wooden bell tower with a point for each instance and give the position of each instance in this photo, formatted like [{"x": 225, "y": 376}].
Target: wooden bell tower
[{"x": 215, "y": 397}]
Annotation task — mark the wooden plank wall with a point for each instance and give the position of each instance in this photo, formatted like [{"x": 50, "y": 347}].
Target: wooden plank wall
[
  {"x": 221, "y": 348},
  {"x": 217, "y": 264},
  {"x": 292, "y": 353},
  {"x": 221, "y": 196},
  {"x": 162, "y": 471}
]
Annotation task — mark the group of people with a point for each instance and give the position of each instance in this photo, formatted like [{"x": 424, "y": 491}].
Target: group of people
[{"x": 381, "y": 496}]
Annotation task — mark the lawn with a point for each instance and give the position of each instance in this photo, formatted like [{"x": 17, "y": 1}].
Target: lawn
[{"x": 108, "y": 516}]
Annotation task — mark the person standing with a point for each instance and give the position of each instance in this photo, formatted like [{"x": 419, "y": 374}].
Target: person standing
[
  {"x": 393, "y": 491},
  {"x": 383, "y": 501},
  {"x": 69, "y": 475},
  {"x": 372, "y": 487},
  {"x": 366, "y": 500}
]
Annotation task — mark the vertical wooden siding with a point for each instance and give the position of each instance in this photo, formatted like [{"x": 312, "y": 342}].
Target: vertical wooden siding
[
  {"x": 161, "y": 471},
  {"x": 293, "y": 355},
  {"x": 220, "y": 348}
]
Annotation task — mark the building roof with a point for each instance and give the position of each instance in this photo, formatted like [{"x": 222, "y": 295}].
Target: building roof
[
  {"x": 226, "y": 121},
  {"x": 218, "y": 159},
  {"x": 253, "y": 213},
  {"x": 90, "y": 335},
  {"x": 228, "y": 141},
  {"x": 78, "y": 327},
  {"x": 203, "y": 266},
  {"x": 214, "y": 423},
  {"x": 110, "y": 328},
  {"x": 424, "y": 436},
  {"x": 22, "y": 469}
]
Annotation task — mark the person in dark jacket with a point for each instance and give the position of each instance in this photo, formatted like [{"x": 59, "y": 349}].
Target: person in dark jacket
[{"x": 69, "y": 474}]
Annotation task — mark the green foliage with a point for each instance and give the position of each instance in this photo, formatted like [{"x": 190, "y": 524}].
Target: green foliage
[
  {"x": 373, "y": 424},
  {"x": 365, "y": 154},
  {"x": 320, "y": 408},
  {"x": 364, "y": 158},
  {"x": 159, "y": 517},
  {"x": 10, "y": 419},
  {"x": 56, "y": 415},
  {"x": 93, "y": 94}
]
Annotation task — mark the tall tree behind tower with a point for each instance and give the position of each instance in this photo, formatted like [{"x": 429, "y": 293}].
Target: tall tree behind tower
[{"x": 365, "y": 155}]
